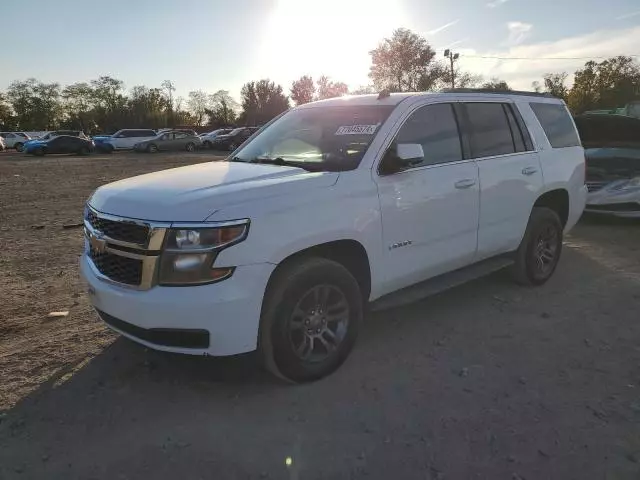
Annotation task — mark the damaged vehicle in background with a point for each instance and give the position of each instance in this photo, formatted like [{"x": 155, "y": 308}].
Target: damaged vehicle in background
[{"x": 612, "y": 150}]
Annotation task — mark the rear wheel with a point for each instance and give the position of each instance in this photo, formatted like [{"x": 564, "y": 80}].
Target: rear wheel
[
  {"x": 310, "y": 319},
  {"x": 539, "y": 253},
  {"x": 153, "y": 148},
  {"x": 190, "y": 147},
  {"x": 19, "y": 147}
]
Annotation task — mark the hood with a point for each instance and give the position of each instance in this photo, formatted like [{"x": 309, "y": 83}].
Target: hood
[
  {"x": 609, "y": 164},
  {"x": 193, "y": 193}
]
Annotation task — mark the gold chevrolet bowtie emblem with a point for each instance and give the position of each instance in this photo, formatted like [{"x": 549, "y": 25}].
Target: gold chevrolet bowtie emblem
[{"x": 98, "y": 244}]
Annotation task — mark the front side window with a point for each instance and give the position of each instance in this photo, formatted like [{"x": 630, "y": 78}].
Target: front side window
[
  {"x": 317, "y": 138},
  {"x": 181, "y": 135},
  {"x": 490, "y": 133},
  {"x": 436, "y": 129},
  {"x": 556, "y": 123}
]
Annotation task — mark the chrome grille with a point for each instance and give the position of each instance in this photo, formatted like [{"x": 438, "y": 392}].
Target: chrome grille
[
  {"x": 124, "y": 231},
  {"x": 595, "y": 186},
  {"x": 117, "y": 268}
]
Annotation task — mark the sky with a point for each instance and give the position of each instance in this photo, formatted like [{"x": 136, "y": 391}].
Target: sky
[{"x": 221, "y": 44}]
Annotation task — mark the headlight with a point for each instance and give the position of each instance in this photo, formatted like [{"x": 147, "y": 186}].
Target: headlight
[{"x": 189, "y": 254}]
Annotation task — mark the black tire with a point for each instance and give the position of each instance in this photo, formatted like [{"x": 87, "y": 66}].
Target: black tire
[
  {"x": 207, "y": 145},
  {"x": 19, "y": 147},
  {"x": 291, "y": 286},
  {"x": 152, "y": 148},
  {"x": 108, "y": 149},
  {"x": 539, "y": 252},
  {"x": 40, "y": 152},
  {"x": 190, "y": 147},
  {"x": 83, "y": 151}
]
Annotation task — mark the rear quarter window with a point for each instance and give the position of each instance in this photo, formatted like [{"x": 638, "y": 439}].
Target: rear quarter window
[{"x": 557, "y": 124}]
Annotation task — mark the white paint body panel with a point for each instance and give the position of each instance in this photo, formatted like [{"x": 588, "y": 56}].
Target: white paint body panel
[{"x": 291, "y": 210}]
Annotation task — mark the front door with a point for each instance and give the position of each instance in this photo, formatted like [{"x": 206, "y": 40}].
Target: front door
[{"x": 429, "y": 211}]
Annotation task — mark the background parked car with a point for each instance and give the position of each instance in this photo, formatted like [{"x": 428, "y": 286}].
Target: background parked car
[
  {"x": 612, "y": 151},
  {"x": 60, "y": 144},
  {"x": 15, "y": 139},
  {"x": 56, "y": 133},
  {"x": 123, "y": 139},
  {"x": 172, "y": 140},
  {"x": 207, "y": 138},
  {"x": 233, "y": 139}
]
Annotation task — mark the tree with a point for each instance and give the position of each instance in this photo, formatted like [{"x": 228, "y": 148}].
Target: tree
[
  {"x": 7, "y": 120},
  {"x": 303, "y": 90},
  {"x": 223, "y": 109},
  {"x": 363, "y": 90},
  {"x": 147, "y": 107},
  {"x": 401, "y": 63},
  {"x": 555, "y": 84},
  {"x": 609, "y": 84},
  {"x": 79, "y": 100},
  {"x": 261, "y": 101},
  {"x": 36, "y": 105},
  {"x": 168, "y": 88},
  {"x": 198, "y": 103},
  {"x": 328, "y": 89},
  {"x": 496, "y": 85}
]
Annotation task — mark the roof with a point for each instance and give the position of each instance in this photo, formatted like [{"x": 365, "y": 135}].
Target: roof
[{"x": 396, "y": 98}]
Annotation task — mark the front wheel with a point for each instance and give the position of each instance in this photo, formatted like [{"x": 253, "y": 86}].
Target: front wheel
[
  {"x": 19, "y": 147},
  {"x": 153, "y": 148},
  {"x": 190, "y": 147},
  {"x": 540, "y": 249},
  {"x": 40, "y": 152},
  {"x": 310, "y": 319}
]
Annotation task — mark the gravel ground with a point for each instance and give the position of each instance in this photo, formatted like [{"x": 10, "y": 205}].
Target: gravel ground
[{"x": 488, "y": 380}]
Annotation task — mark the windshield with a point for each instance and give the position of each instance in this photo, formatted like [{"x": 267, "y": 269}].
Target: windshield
[{"x": 318, "y": 138}]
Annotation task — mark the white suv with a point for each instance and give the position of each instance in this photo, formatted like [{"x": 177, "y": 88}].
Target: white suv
[
  {"x": 334, "y": 205},
  {"x": 15, "y": 139},
  {"x": 127, "y": 138}
]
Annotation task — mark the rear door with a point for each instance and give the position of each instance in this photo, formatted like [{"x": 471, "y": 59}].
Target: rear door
[{"x": 509, "y": 171}]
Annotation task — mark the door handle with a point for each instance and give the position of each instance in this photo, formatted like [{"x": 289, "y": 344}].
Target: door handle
[
  {"x": 466, "y": 183},
  {"x": 529, "y": 170}
]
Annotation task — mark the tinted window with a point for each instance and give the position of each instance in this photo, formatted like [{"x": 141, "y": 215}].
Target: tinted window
[
  {"x": 179, "y": 135},
  {"x": 516, "y": 134},
  {"x": 435, "y": 128},
  {"x": 557, "y": 124},
  {"x": 490, "y": 133}
]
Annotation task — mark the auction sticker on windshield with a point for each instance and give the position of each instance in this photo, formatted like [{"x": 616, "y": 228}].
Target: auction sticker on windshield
[{"x": 357, "y": 130}]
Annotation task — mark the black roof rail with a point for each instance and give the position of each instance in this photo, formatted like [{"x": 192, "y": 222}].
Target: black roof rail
[{"x": 496, "y": 92}]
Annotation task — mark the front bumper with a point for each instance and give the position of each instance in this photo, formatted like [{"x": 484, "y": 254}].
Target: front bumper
[
  {"x": 217, "y": 319},
  {"x": 624, "y": 210}
]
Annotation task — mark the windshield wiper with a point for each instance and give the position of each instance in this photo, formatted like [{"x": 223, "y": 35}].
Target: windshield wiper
[{"x": 280, "y": 162}]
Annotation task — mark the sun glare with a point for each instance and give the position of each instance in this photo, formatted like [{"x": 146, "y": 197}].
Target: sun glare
[{"x": 333, "y": 37}]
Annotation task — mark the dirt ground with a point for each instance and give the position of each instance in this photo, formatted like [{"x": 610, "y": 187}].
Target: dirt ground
[{"x": 488, "y": 381}]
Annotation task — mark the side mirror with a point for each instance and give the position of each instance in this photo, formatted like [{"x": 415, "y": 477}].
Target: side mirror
[{"x": 401, "y": 157}]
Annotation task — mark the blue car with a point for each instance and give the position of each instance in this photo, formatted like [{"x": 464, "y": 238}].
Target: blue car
[
  {"x": 60, "y": 144},
  {"x": 54, "y": 134}
]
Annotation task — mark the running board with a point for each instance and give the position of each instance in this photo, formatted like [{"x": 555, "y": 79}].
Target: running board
[{"x": 441, "y": 283}]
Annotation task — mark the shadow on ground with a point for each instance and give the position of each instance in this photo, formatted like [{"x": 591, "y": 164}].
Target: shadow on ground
[{"x": 488, "y": 380}]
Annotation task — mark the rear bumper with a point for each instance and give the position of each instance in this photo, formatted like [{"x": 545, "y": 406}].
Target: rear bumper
[{"x": 218, "y": 319}]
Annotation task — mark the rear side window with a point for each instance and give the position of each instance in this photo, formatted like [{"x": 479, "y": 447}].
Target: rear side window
[
  {"x": 557, "y": 124},
  {"x": 490, "y": 132}
]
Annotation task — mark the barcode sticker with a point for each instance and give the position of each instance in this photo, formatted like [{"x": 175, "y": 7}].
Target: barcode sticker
[{"x": 357, "y": 130}]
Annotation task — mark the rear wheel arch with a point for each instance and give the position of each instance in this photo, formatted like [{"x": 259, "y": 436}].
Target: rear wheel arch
[{"x": 556, "y": 200}]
